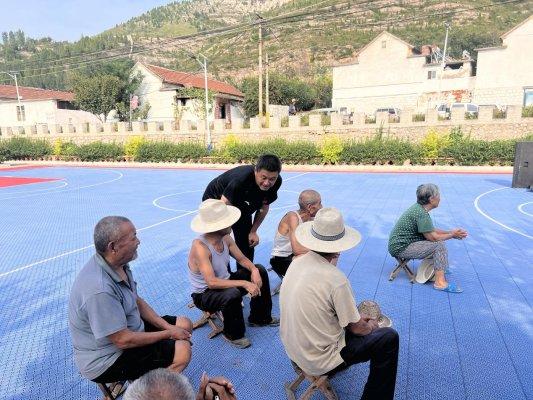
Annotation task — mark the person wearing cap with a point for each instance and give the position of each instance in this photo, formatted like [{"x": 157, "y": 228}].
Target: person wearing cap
[
  {"x": 214, "y": 287},
  {"x": 415, "y": 237},
  {"x": 116, "y": 335},
  {"x": 285, "y": 244},
  {"x": 251, "y": 189},
  {"x": 321, "y": 328},
  {"x": 292, "y": 107}
]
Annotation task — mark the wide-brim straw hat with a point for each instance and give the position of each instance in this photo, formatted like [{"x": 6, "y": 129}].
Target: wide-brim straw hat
[
  {"x": 327, "y": 232},
  {"x": 424, "y": 272},
  {"x": 372, "y": 310},
  {"x": 214, "y": 215}
]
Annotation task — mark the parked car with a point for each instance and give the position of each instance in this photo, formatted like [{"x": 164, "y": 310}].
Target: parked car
[
  {"x": 393, "y": 112},
  {"x": 443, "y": 111},
  {"x": 469, "y": 109}
]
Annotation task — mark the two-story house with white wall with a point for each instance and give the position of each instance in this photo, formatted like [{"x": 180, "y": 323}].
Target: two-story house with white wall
[
  {"x": 505, "y": 72},
  {"x": 160, "y": 88},
  {"x": 39, "y": 106},
  {"x": 389, "y": 72}
]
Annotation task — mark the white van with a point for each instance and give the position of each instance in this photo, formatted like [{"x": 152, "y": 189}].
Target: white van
[{"x": 469, "y": 109}]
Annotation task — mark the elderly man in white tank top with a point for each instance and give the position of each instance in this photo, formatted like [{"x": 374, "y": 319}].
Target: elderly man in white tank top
[{"x": 285, "y": 244}]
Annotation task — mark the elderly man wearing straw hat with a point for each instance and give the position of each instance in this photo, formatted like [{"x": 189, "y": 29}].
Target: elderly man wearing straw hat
[
  {"x": 321, "y": 328},
  {"x": 214, "y": 287},
  {"x": 415, "y": 237}
]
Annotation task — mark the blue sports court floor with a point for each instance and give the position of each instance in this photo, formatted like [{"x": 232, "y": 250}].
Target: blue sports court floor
[{"x": 475, "y": 345}]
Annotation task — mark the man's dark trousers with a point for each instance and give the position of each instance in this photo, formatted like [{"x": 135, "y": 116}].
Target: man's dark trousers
[
  {"x": 229, "y": 301},
  {"x": 241, "y": 229}
]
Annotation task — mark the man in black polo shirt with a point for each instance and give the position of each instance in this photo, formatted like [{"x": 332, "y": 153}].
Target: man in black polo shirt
[{"x": 251, "y": 189}]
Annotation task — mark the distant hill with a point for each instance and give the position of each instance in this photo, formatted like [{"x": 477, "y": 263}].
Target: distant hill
[{"x": 301, "y": 37}]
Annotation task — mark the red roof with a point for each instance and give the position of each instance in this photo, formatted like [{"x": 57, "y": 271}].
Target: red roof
[
  {"x": 192, "y": 80},
  {"x": 30, "y": 93}
]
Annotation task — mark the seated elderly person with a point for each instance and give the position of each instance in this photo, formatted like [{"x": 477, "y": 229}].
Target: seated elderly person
[
  {"x": 321, "y": 328},
  {"x": 116, "y": 335},
  {"x": 285, "y": 245},
  {"x": 415, "y": 237},
  {"x": 214, "y": 286},
  {"x": 162, "y": 384}
]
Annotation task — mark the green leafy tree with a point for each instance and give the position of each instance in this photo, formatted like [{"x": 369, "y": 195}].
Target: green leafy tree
[{"x": 97, "y": 94}]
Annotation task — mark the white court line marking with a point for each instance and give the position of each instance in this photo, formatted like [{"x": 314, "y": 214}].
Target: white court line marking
[
  {"x": 476, "y": 202},
  {"x": 120, "y": 176},
  {"x": 295, "y": 176},
  {"x": 64, "y": 183},
  {"x": 86, "y": 247},
  {"x": 521, "y": 206},
  {"x": 155, "y": 202}
]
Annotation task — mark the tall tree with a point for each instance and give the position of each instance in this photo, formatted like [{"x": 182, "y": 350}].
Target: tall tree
[{"x": 97, "y": 94}]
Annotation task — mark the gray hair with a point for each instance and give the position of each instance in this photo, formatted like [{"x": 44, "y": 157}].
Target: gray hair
[
  {"x": 308, "y": 197},
  {"x": 107, "y": 230},
  {"x": 425, "y": 192},
  {"x": 160, "y": 384}
]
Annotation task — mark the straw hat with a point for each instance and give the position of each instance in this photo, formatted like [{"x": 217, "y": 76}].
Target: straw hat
[
  {"x": 327, "y": 232},
  {"x": 425, "y": 272},
  {"x": 371, "y": 309},
  {"x": 214, "y": 215}
]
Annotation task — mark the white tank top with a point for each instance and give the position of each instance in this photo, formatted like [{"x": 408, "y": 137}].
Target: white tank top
[
  {"x": 219, "y": 262},
  {"x": 282, "y": 244}
]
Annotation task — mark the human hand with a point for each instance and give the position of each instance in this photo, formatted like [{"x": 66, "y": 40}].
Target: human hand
[
  {"x": 252, "y": 289},
  {"x": 215, "y": 386},
  {"x": 372, "y": 323},
  {"x": 253, "y": 239},
  {"x": 256, "y": 278},
  {"x": 459, "y": 233},
  {"x": 178, "y": 333}
]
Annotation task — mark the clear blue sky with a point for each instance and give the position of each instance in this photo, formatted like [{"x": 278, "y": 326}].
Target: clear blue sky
[{"x": 69, "y": 19}]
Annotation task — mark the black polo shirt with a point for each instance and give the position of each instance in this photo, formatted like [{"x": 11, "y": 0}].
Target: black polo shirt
[{"x": 239, "y": 187}]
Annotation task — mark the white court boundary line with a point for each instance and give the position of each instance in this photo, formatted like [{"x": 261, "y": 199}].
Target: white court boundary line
[
  {"x": 476, "y": 205},
  {"x": 521, "y": 206},
  {"x": 120, "y": 176},
  {"x": 22, "y": 268},
  {"x": 86, "y": 247},
  {"x": 64, "y": 183}
]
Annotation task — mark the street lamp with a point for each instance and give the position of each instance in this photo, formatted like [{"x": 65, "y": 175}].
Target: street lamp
[
  {"x": 13, "y": 75},
  {"x": 204, "y": 66}
]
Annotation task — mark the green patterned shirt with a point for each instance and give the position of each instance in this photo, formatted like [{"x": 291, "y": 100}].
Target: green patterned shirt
[{"x": 411, "y": 226}]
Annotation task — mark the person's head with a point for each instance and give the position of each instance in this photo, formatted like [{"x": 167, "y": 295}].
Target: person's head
[
  {"x": 115, "y": 238},
  {"x": 428, "y": 195},
  {"x": 310, "y": 201},
  {"x": 215, "y": 217},
  {"x": 160, "y": 384},
  {"x": 327, "y": 234},
  {"x": 267, "y": 169},
  {"x": 293, "y": 101}
]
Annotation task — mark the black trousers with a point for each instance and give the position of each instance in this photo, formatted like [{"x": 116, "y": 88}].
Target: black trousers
[
  {"x": 281, "y": 264},
  {"x": 229, "y": 302},
  {"x": 241, "y": 230},
  {"x": 380, "y": 347}
]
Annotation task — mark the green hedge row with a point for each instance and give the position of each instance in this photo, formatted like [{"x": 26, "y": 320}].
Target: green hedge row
[{"x": 453, "y": 149}]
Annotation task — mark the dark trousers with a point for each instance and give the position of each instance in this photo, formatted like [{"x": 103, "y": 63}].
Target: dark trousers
[
  {"x": 241, "y": 230},
  {"x": 380, "y": 347},
  {"x": 280, "y": 265},
  {"x": 229, "y": 302}
]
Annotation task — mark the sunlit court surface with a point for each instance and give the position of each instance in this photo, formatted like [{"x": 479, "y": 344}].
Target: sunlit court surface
[{"x": 474, "y": 345}]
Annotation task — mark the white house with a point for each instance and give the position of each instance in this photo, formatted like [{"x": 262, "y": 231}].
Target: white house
[
  {"x": 505, "y": 72},
  {"x": 160, "y": 88},
  {"x": 39, "y": 106},
  {"x": 389, "y": 72}
]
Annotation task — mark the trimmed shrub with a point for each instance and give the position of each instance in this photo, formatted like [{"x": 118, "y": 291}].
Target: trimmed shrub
[
  {"x": 131, "y": 147},
  {"x": 434, "y": 143},
  {"x": 527, "y": 111},
  {"x": 380, "y": 151},
  {"x": 170, "y": 152},
  {"x": 19, "y": 148},
  {"x": 99, "y": 151},
  {"x": 4, "y": 152},
  {"x": 331, "y": 150}
]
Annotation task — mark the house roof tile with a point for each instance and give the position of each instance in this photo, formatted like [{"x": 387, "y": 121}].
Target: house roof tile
[
  {"x": 31, "y": 93},
  {"x": 192, "y": 80}
]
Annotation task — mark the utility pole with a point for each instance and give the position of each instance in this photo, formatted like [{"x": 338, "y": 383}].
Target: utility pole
[
  {"x": 443, "y": 64},
  {"x": 267, "y": 94},
  {"x": 260, "y": 70},
  {"x": 207, "y": 125},
  {"x": 13, "y": 75}
]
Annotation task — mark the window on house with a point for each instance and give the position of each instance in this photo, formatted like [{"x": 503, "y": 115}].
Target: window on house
[
  {"x": 21, "y": 114},
  {"x": 432, "y": 74},
  {"x": 383, "y": 44}
]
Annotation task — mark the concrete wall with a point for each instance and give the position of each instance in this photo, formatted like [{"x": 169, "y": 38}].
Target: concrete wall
[{"x": 514, "y": 126}]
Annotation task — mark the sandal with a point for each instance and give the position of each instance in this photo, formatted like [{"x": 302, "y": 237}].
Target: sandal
[{"x": 451, "y": 288}]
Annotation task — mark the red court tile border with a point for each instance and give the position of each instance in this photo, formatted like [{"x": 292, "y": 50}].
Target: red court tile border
[{"x": 15, "y": 181}]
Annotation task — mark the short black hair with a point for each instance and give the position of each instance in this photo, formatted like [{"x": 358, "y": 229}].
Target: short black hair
[{"x": 268, "y": 162}]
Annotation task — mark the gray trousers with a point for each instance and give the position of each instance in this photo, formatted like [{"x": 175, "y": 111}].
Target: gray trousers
[{"x": 435, "y": 253}]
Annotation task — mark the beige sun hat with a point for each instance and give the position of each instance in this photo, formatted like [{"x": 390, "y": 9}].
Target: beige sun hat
[
  {"x": 372, "y": 310},
  {"x": 425, "y": 272},
  {"x": 214, "y": 215},
  {"x": 327, "y": 232}
]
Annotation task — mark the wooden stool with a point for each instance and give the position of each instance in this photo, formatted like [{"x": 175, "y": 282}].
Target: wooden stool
[
  {"x": 210, "y": 318},
  {"x": 402, "y": 264},
  {"x": 112, "y": 391},
  {"x": 320, "y": 383}
]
